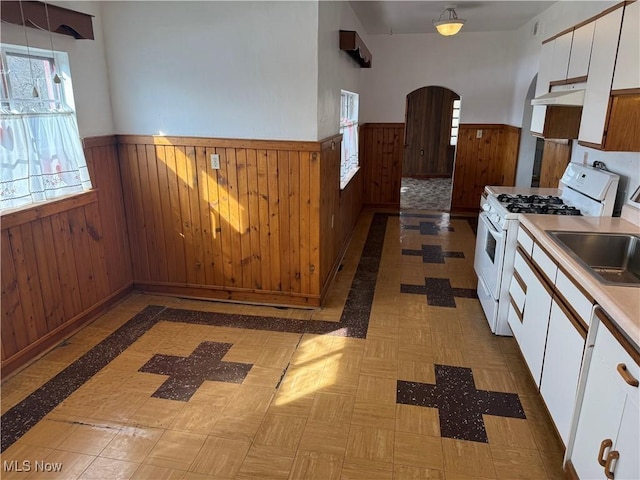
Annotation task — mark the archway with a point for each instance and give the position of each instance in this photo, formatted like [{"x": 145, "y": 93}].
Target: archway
[
  {"x": 531, "y": 147},
  {"x": 431, "y": 125}
]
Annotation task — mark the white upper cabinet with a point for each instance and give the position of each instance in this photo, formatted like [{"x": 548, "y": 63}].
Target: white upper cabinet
[
  {"x": 627, "y": 72},
  {"x": 545, "y": 69},
  {"x": 603, "y": 57},
  {"x": 561, "y": 54},
  {"x": 542, "y": 86},
  {"x": 581, "y": 51}
]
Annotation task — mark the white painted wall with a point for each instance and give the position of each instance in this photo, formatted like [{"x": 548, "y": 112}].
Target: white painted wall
[
  {"x": 524, "y": 169},
  {"x": 625, "y": 164},
  {"x": 88, "y": 67},
  {"x": 477, "y": 66},
  {"x": 336, "y": 70},
  {"x": 214, "y": 69}
]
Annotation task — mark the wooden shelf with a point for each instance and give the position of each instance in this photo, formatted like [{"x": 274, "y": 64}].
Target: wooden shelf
[
  {"x": 351, "y": 43},
  {"x": 46, "y": 16}
]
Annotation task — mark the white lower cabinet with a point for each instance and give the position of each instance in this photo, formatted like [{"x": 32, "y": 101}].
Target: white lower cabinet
[
  {"x": 562, "y": 361},
  {"x": 607, "y": 437},
  {"x": 531, "y": 331}
]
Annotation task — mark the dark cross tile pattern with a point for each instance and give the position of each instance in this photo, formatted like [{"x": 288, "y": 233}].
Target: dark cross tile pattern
[
  {"x": 473, "y": 221},
  {"x": 432, "y": 254},
  {"x": 439, "y": 292},
  {"x": 19, "y": 419},
  {"x": 429, "y": 228},
  {"x": 460, "y": 404},
  {"x": 354, "y": 322},
  {"x": 186, "y": 374}
]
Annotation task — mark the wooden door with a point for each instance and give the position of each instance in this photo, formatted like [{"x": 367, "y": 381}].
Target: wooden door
[{"x": 428, "y": 152}]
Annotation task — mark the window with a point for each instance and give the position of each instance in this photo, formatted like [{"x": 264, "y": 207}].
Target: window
[
  {"x": 349, "y": 131},
  {"x": 455, "y": 122},
  {"x": 41, "y": 155}
]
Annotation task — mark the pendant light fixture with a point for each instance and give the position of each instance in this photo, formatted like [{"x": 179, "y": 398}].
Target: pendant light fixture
[{"x": 450, "y": 24}]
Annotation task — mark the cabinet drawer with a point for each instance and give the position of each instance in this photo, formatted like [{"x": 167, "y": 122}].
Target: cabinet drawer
[
  {"x": 544, "y": 262},
  {"x": 525, "y": 240},
  {"x": 578, "y": 301}
]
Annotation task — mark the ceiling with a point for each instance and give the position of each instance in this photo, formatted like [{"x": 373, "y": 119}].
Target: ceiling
[{"x": 385, "y": 17}]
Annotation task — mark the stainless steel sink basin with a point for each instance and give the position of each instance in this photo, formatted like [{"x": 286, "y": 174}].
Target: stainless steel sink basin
[{"x": 613, "y": 258}]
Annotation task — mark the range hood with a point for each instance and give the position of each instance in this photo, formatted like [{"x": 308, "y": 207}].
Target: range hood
[{"x": 568, "y": 98}]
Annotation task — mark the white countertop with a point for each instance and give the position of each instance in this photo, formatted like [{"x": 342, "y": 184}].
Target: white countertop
[{"x": 621, "y": 303}]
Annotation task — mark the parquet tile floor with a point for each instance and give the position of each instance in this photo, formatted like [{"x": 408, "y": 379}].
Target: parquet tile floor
[{"x": 389, "y": 383}]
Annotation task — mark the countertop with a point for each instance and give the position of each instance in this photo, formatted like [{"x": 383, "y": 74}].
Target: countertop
[{"x": 621, "y": 303}]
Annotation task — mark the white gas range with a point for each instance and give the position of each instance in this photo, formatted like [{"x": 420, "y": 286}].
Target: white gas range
[{"x": 582, "y": 191}]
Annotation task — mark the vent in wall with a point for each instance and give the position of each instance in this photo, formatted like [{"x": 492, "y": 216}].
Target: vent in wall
[{"x": 536, "y": 29}]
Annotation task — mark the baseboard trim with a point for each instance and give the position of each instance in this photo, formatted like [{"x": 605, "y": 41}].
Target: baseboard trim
[
  {"x": 43, "y": 345},
  {"x": 208, "y": 292}
]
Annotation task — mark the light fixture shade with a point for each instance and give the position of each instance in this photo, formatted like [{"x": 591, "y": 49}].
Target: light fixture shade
[{"x": 449, "y": 26}]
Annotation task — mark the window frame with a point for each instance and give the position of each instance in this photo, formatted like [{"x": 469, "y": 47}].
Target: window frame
[
  {"x": 349, "y": 121},
  {"x": 64, "y": 99},
  {"x": 60, "y": 104},
  {"x": 455, "y": 122}
]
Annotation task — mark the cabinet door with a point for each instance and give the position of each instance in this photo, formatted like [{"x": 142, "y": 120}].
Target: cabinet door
[
  {"x": 599, "y": 419},
  {"x": 545, "y": 68},
  {"x": 561, "y": 369},
  {"x": 561, "y": 53},
  {"x": 581, "y": 51},
  {"x": 596, "y": 97},
  {"x": 627, "y": 73},
  {"x": 628, "y": 442},
  {"x": 542, "y": 86},
  {"x": 532, "y": 334}
]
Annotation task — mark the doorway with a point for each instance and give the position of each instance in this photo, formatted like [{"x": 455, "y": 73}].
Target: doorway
[{"x": 432, "y": 118}]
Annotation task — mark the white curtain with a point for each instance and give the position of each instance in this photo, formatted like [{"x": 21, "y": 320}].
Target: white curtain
[
  {"x": 41, "y": 158},
  {"x": 349, "y": 149}
]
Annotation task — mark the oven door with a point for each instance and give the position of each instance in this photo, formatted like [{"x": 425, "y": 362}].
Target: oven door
[{"x": 489, "y": 256}]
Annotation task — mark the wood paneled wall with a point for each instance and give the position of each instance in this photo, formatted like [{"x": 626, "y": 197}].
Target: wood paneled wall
[
  {"x": 486, "y": 159},
  {"x": 63, "y": 262},
  {"x": 339, "y": 210},
  {"x": 381, "y": 152},
  {"x": 555, "y": 158},
  {"x": 249, "y": 231},
  {"x": 427, "y": 144}
]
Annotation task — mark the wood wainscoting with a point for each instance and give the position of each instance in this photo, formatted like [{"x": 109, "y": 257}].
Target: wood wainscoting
[
  {"x": 381, "y": 152},
  {"x": 486, "y": 158},
  {"x": 64, "y": 262},
  {"x": 339, "y": 210},
  {"x": 251, "y": 231}
]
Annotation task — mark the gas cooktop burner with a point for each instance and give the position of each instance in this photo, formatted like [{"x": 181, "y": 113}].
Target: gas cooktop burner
[
  {"x": 530, "y": 199},
  {"x": 545, "y": 209},
  {"x": 541, "y": 204}
]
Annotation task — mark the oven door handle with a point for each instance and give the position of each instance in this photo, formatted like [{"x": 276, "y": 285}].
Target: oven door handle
[{"x": 495, "y": 233}]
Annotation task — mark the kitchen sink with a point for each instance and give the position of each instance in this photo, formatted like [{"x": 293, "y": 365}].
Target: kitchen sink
[{"x": 612, "y": 258}]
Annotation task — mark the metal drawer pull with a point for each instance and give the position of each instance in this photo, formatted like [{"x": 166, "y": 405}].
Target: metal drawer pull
[
  {"x": 607, "y": 443},
  {"x": 630, "y": 379},
  {"x": 613, "y": 455}
]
